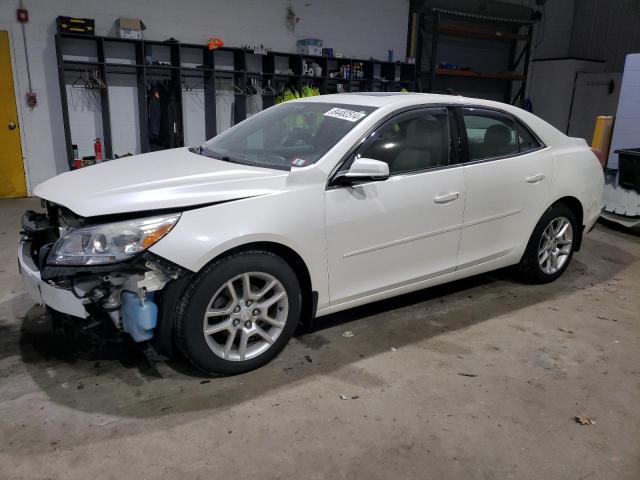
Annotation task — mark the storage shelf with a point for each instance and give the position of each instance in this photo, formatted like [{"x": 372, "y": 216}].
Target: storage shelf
[
  {"x": 78, "y": 36},
  {"x": 471, "y": 42},
  {"x": 82, "y": 62},
  {"x": 120, "y": 65},
  {"x": 121, "y": 40},
  {"x": 469, "y": 74},
  {"x": 161, "y": 67},
  {"x": 207, "y": 65},
  {"x": 123, "y": 68},
  {"x": 197, "y": 69},
  {"x": 480, "y": 33},
  {"x": 160, "y": 42}
]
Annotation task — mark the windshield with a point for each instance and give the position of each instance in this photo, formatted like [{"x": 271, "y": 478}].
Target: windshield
[{"x": 288, "y": 135}]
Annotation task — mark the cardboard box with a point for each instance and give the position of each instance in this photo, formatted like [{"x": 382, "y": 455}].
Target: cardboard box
[{"x": 129, "y": 28}]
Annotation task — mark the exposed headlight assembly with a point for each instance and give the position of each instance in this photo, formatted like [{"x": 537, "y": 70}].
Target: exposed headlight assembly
[{"x": 110, "y": 242}]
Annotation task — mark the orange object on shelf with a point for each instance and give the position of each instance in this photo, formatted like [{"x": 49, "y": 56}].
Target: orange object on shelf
[{"x": 215, "y": 43}]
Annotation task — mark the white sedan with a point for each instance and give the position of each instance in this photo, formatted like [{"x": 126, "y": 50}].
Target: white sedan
[{"x": 305, "y": 209}]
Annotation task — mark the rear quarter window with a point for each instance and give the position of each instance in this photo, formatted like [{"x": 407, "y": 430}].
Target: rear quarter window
[{"x": 489, "y": 133}]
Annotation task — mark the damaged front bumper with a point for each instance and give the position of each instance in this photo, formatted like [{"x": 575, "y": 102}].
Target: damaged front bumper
[
  {"x": 60, "y": 299},
  {"x": 128, "y": 294}
]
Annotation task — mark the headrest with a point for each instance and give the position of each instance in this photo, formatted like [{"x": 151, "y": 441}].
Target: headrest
[{"x": 497, "y": 135}]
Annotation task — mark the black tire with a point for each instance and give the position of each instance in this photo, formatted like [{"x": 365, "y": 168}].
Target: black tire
[
  {"x": 529, "y": 268},
  {"x": 195, "y": 300}
]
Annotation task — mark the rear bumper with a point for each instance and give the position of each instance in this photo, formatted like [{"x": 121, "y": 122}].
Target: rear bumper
[{"x": 59, "y": 299}]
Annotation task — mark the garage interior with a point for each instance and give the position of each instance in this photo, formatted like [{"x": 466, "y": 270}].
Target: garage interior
[{"x": 485, "y": 377}]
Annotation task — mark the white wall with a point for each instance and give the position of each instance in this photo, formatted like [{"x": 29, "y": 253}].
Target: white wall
[
  {"x": 592, "y": 98},
  {"x": 553, "y": 33},
  {"x": 358, "y": 28},
  {"x": 606, "y": 30},
  {"x": 552, "y": 83},
  {"x": 626, "y": 129}
]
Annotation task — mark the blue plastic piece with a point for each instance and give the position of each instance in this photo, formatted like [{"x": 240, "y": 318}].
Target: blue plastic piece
[{"x": 139, "y": 318}]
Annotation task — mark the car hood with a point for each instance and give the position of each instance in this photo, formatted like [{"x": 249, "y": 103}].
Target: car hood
[{"x": 158, "y": 180}]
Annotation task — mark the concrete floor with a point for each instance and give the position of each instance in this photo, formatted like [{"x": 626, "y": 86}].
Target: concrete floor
[{"x": 477, "y": 379}]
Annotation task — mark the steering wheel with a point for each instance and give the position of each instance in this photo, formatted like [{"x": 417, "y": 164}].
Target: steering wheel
[{"x": 297, "y": 135}]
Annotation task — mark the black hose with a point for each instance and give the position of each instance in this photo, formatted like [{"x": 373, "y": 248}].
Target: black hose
[{"x": 75, "y": 294}]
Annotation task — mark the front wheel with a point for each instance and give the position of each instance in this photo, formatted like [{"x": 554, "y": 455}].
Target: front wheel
[
  {"x": 551, "y": 245},
  {"x": 238, "y": 313}
]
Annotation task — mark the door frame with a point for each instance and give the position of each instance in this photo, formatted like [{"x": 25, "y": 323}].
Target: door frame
[
  {"x": 345, "y": 160},
  {"x": 11, "y": 29},
  {"x": 467, "y": 162}
]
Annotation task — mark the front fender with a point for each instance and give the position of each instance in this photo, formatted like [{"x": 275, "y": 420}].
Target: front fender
[{"x": 294, "y": 219}]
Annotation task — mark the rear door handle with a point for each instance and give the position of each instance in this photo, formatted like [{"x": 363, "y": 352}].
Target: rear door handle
[
  {"x": 446, "y": 197},
  {"x": 535, "y": 178}
]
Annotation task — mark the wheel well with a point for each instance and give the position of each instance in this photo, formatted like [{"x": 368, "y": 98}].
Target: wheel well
[
  {"x": 576, "y": 207},
  {"x": 169, "y": 297},
  {"x": 309, "y": 297}
]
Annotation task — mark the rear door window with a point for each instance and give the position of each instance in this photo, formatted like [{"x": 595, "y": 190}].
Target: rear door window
[{"x": 489, "y": 134}]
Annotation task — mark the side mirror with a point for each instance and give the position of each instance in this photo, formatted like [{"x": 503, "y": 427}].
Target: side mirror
[{"x": 364, "y": 170}]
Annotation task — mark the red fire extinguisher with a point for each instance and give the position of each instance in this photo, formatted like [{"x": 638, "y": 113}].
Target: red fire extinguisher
[
  {"x": 97, "y": 147},
  {"x": 77, "y": 163}
]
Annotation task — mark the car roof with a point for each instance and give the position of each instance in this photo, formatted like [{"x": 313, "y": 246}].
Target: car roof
[
  {"x": 405, "y": 99},
  {"x": 379, "y": 99}
]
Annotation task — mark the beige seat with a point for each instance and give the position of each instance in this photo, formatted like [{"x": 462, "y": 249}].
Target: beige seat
[{"x": 422, "y": 146}]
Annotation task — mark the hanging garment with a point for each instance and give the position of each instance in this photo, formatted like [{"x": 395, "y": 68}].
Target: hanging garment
[
  {"x": 155, "y": 113},
  {"x": 170, "y": 128}
]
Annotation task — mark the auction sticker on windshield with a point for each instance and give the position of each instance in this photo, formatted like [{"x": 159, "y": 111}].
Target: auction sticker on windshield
[{"x": 348, "y": 115}]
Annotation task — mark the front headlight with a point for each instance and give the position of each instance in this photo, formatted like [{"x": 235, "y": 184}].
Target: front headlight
[{"x": 110, "y": 242}]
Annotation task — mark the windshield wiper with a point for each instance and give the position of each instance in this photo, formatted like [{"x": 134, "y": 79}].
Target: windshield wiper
[
  {"x": 208, "y": 153},
  {"x": 220, "y": 156}
]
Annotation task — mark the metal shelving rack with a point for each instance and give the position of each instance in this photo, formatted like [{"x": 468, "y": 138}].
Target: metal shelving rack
[
  {"x": 517, "y": 33},
  {"x": 377, "y": 76}
]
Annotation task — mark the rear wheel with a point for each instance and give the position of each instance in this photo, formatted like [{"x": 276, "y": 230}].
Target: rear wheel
[
  {"x": 239, "y": 312},
  {"x": 551, "y": 245}
]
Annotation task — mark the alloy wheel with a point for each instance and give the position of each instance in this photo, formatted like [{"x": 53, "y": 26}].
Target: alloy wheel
[
  {"x": 555, "y": 245},
  {"x": 245, "y": 316}
]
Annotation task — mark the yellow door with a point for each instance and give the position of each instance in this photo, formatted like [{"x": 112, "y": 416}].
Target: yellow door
[{"x": 12, "y": 182}]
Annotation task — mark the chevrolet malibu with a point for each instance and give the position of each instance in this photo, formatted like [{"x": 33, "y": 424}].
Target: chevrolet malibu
[{"x": 305, "y": 209}]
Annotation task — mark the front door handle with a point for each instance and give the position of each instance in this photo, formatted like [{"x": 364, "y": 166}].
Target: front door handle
[
  {"x": 535, "y": 178},
  {"x": 446, "y": 197}
]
